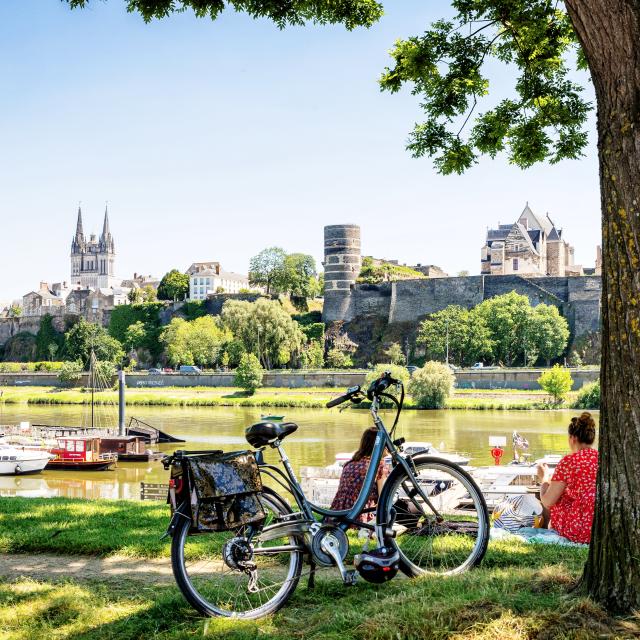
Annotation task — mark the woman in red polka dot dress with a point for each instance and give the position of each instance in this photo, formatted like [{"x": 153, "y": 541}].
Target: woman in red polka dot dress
[{"x": 570, "y": 493}]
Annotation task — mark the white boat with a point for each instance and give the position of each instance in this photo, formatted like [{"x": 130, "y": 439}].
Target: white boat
[{"x": 17, "y": 461}]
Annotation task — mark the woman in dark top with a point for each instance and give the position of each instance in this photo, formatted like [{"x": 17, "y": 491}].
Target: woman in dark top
[{"x": 353, "y": 474}]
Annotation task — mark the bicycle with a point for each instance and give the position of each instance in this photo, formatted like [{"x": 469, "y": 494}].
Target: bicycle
[{"x": 430, "y": 514}]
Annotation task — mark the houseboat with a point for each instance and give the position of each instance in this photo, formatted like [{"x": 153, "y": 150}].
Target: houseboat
[
  {"x": 81, "y": 454},
  {"x": 128, "y": 448}
]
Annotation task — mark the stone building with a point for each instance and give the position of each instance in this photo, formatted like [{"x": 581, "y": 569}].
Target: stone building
[
  {"x": 531, "y": 246},
  {"x": 93, "y": 260},
  {"x": 207, "y": 278},
  {"x": 44, "y": 300}
]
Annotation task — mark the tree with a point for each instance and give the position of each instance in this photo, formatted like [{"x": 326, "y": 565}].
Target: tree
[
  {"x": 431, "y": 385},
  {"x": 198, "y": 341},
  {"x": 135, "y": 295},
  {"x": 85, "y": 337},
  {"x": 509, "y": 318},
  {"x": 267, "y": 270},
  {"x": 70, "y": 372},
  {"x": 339, "y": 359},
  {"x": 556, "y": 382},
  {"x": 375, "y": 273},
  {"x": 135, "y": 335},
  {"x": 300, "y": 279},
  {"x": 265, "y": 329},
  {"x": 395, "y": 355},
  {"x": 466, "y": 333},
  {"x": 46, "y": 338},
  {"x": 173, "y": 286},
  {"x": 14, "y": 311},
  {"x": 398, "y": 372},
  {"x": 550, "y": 332},
  {"x": 543, "y": 122},
  {"x": 249, "y": 373},
  {"x": 149, "y": 294}
]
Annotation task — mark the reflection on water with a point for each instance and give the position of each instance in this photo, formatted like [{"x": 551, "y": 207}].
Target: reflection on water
[{"x": 321, "y": 435}]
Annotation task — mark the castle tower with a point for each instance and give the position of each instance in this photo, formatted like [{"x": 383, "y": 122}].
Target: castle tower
[
  {"x": 342, "y": 262},
  {"x": 93, "y": 260}
]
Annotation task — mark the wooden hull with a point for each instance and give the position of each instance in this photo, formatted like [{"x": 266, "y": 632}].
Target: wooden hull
[{"x": 80, "y": 465}]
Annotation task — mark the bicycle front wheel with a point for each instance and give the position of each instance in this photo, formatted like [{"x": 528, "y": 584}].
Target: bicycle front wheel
[
  {"x": 448, "y": 533},
  {"x": 232, "y": 574}
]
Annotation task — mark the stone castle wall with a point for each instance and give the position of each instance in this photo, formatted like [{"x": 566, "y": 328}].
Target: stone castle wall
[{"x": 409, "y": 301}]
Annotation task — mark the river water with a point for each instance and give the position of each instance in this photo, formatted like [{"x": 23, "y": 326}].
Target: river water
[{"x": 321, "y": 435}]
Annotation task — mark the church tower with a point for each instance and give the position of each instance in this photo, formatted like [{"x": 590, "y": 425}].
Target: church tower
[{"x": 93, "y": 260}]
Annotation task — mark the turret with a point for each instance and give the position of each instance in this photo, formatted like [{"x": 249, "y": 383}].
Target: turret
[{"x": 342, "y": 262}]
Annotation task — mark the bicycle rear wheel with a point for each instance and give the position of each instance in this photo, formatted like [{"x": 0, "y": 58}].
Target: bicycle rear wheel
[
  {"x": 225, "y": 574},
  {"x": 447, "y": 536}
]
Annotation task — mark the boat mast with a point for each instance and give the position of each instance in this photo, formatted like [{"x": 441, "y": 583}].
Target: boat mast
[{"x": 92, "y": 380}]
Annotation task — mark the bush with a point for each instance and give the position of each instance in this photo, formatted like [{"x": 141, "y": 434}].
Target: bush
[
  {"x": 47, "y": 366},
  {"x": 397, "y": 372},
  {"x": 557, "y": 382},
  {"x": 395, "y": 355},
  {"x": 589, "y": 396},
  {"x": 312, "y": 356},
  {"x": 249, "y": 373},
  {"x": 70, "y": 372},
  {"x": 431, "y": 385},
  {"x": 338, "y": 359}
]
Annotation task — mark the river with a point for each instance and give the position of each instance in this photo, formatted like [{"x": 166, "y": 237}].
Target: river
[{"x": 321, "y": 435}]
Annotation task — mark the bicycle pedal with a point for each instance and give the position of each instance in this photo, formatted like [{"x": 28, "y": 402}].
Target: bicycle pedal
[{"x": 350, "y": 578}]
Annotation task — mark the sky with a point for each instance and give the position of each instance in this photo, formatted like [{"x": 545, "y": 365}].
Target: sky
[{"x": 212, "y": 140}]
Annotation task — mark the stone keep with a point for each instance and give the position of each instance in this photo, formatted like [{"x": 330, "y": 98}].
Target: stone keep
[{"x": 342, "y": 262}]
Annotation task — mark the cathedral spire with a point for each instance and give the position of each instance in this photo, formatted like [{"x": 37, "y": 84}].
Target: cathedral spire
[
  {"x": 105, "y": 226},
  {"x": 79, "y": 231}
]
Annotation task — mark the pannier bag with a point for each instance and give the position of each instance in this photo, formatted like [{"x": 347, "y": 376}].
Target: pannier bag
[{"x": 223, "y": 490}]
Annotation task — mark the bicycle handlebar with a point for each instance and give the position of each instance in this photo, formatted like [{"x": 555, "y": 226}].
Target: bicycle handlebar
[{"x": 352, "y": 392}]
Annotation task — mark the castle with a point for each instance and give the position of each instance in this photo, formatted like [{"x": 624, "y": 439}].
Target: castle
[
  {"x": 531, "y": 246},
  {"x": 92, "y": 260}
]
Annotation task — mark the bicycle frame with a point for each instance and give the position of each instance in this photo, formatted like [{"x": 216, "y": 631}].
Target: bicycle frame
[{"x": 345, "y": 518}]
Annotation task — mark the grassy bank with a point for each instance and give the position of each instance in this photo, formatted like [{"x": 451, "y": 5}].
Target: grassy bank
[
  {"x": 521, "y": 592},
  {"x": 507, "y": 399}
]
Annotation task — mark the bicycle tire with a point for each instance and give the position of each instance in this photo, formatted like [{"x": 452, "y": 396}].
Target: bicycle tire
[
  {"x": 271, "y": 499},
  {"x": 387, "y": 500}
]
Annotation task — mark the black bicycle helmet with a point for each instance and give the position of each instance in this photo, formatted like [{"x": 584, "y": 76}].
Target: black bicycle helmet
[{"x": 378, "y": 565}]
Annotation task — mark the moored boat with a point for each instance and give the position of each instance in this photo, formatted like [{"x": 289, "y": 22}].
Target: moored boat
[
  {"x": 18, "y": 461},
  {"x": 81, "y": 454}
]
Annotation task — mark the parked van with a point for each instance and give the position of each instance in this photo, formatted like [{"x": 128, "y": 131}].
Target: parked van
[{"x": 189, "y": 369}]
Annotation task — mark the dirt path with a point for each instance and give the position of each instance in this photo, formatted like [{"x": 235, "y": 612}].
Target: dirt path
[{"x": 56, "y": 567}]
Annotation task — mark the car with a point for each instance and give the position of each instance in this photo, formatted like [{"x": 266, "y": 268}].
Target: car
[
  {"x": 412, "y": 369},
  {"x": 168, "y": 370},
  {"x": 478, "y": 365},
  {"x": 154, "y": 371},
  {"x": 190, "y": 369}
]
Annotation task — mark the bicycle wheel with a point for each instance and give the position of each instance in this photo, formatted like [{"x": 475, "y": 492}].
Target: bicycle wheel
[
  {"x": 223, "y": 574},
  {"x": 446, "y": 538}
]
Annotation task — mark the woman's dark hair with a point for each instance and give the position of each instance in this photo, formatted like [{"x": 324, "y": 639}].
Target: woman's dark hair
[
  {"x": 366, "y": 444},
  {"x": 583, "y": 428}
]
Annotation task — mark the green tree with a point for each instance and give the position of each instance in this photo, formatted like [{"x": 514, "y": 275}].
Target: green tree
[
  {"x": 431, "y": 385},
  {"x": 509, "y": 319},
  {"x": 550, "y": 332},
  {"x": 249, "y": 373},
  {"x": 149, "y": 294},
  {"x": 557, "y": 382},
  {"x": 267, "y": 270},
  {"x": 373, "y": 273},
  {"x": 300, "y": 278},
  {"x": 398, "y": 372},
  {"x": 339, "y": 359},
  {"x": 173, "y": 286},
  {"x": 539, "y": 40},
  {"x": 395, "y": 355},
  {"x": 85, "y": 337},
  {"x": 148, "y": 313},
  {"x": 175, "y": 338},
  {"x": 14, "y": 311},
  {"x": 46, "y": 338},
  {"x": 135, "y": 295},
  {"x": 589, "y": 396},
  {"x": 312, "y": 355},
  {"x": 135, "y": 335},
  {"x": 265, "y": 329},
  {"x": 70, "y": 372},
  {"x": 198, "y": 341},
  {"x": 465, "y": 331}
]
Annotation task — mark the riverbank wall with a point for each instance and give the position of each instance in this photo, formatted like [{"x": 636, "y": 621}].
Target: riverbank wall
[{"x": 519, "y": 379}]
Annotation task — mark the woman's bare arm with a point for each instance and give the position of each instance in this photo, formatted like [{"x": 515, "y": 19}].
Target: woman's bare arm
[{"x": 551, "y": 492}]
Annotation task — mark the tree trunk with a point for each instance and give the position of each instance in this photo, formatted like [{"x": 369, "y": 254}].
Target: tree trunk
[{"x": 609, "y": 31}]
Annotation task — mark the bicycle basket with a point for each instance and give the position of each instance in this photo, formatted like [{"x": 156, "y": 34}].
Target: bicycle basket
[{"x": 223, "y": 490}]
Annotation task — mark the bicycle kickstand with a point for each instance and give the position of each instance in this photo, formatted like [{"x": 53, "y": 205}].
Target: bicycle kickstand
[{"x": 311, "y": 583}]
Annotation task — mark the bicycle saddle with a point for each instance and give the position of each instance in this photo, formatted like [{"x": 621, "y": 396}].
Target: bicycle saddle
[{"x": 261, "y": 434}]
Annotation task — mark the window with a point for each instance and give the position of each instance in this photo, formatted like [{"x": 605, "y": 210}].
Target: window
[{"x": 515, "y": 264}]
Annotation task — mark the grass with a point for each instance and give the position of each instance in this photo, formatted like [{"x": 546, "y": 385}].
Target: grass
[
  {"x": 521, "y": 592},
  {"x": 311, "y": 398}
]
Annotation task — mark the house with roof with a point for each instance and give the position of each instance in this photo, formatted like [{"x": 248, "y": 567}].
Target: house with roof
[
  {"x": 531, "y": 246},
  {"x": 206, "y": 278},
  {"x": 42, "y": 301}
]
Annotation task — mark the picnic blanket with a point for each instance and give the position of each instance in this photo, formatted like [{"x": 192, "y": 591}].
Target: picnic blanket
[{"x": 533, "y": 536}]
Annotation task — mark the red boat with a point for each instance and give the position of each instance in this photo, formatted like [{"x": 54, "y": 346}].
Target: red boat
[{"x": 81, "y": 454}]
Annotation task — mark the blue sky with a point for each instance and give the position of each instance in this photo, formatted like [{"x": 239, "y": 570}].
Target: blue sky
[{"x": 212, "y": 140}]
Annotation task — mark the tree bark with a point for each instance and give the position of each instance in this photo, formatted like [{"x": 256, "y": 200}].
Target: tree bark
[{"x": 609, "y": 31}]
